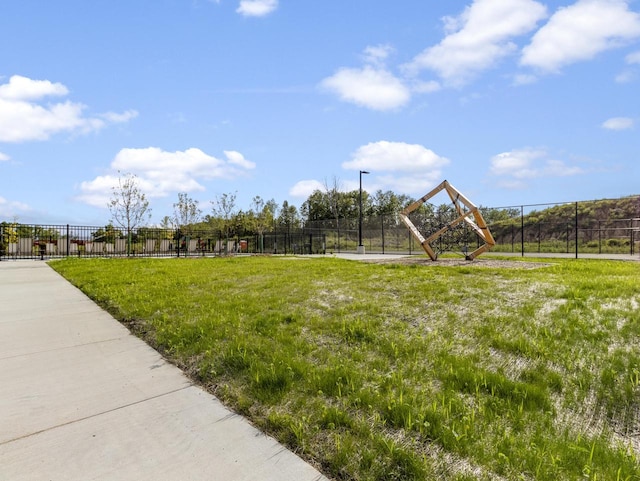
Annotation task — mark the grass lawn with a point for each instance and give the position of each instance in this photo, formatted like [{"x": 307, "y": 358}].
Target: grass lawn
[{"x": 511, "y": 371}]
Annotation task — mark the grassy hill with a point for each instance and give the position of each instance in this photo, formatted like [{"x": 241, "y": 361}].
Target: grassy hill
[{"x": 602, "y": 226}]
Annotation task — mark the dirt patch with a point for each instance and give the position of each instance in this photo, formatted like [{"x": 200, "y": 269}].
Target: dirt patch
[{"x": 490, "y": 263}]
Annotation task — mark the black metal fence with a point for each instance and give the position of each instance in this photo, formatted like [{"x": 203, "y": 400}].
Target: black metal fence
[
  {"x": 615, "y": 236},
  {"x": 30, "y": 241},
  {"x": 570, "y": 228}
]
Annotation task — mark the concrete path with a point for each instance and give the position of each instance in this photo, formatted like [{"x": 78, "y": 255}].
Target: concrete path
[{"x": 83, "y": 399}]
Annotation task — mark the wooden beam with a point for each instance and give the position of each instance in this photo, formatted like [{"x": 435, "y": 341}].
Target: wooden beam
[
  {"x": 478, "y": 223},
  {"x": 424, "y": 198}
]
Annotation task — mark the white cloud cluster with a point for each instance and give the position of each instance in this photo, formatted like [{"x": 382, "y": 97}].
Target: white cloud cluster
[
  {"x": 633, "y": 58},
  {"x": 580, "y": 32},
  {"x": 482, "y": 36},
  {"x": 398, "y": 166},
  {"x": 304, "y": 188},
  {"x": 160, "y": 172},
  {"x": 23, "y": 88},
  {"x": 257, "y": 8},
  {"x": 377, "y": 54},
  {"x": 395, "y": 157},
  {"x": 24, "y": 118},
  {"x": 370, "y": 87},
  {"x": 10, "y": 209},
  {"x": 629, "y": 74},
  {"x": 406, "y": 168},
  {"x": 618, "y": 123},
  {"x": 521, "y": 165}
]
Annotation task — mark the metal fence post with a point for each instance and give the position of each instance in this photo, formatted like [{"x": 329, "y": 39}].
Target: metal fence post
[
  {"x": 382, "y": 225},
  {"x": 539, "y": 235},
  {"x": 576, "y": 230},
  {"x": 599, "y": 238},
  {"x": 513, "y": 238},
  {"x": 522, "y": 229}
]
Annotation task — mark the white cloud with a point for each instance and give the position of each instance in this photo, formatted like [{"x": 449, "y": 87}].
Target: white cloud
[
  {"x": 11, "y": 209},
  {"x": 305, "y": 188},
  {"x": 516, "y": 163},
  {"x": 525, "y": 164},
  {"x": 478, "y": 38},
  {"x": 23, "y": 88},
  {"x": 369, "y": 87},
  {"x": 405, "y": 168},
  {"x": 417, "y": 184},
  {"x": 580, "y": 32},
  {"x": 633, "y": 58},
  {"x": 120, "y": 118},
  {"x": 4, "y": 157},
  {"x": 257, "y": 8},
  {"x": 618, "y": 123},
  {"x": 426, "y": 87},
  {"x": 625, "y": 77},
  {"x": 376, "y": 55},
  {"x": 236, "y": 158},
  {"x": 97, "y": 192},
  {"x": 557, "y": 168},
  {"x": 23, "y": 119},
  {"x": 629, "y": 74},
  {"x": 524, "y": 79},
  {"x": 395, "y": 157},
  {"x": 161, "y": 173}
]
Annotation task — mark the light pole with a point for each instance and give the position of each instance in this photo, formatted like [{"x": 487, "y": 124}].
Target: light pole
[{"x": 360, "y": 246}]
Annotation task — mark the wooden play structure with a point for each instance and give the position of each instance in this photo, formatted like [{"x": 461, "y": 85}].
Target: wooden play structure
[{"x": 467, "y": 212}]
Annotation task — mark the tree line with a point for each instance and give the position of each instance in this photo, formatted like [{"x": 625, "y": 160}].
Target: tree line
[
  {"x": 130, "y": 208},
  {"x": 329, "y": 207}
]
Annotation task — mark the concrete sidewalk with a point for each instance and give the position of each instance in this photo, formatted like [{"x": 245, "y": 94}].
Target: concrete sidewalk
[{"x": 81, "y": 398}]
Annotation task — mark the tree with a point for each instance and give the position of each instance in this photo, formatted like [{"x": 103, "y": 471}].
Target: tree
[
  {"x": 263, "y": 215},
  {"x": 333, "y": 198},
  {"x": 129, "y": 206},
  {"x": 495, "y": 216},
  {"x": 186, "y": 211},
  {"x": 288, "y": 217},
  {"x": 8, "y": 235},
  {"x": 166, "y": 222},
  {"x": 224, "y": 210},
  {"x": 107, "y": 234},
  {"x": 389, "y": 203},
  {"x": 316, "y": 207}
]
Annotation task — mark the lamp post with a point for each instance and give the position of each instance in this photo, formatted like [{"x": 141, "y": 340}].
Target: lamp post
[{"x": 360, "y": 246}]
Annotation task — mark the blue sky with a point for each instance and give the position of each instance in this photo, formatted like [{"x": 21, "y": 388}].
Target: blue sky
[{"x": 512, "y": 101}]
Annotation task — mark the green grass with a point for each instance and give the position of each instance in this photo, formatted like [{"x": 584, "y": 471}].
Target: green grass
[
  {"x": 386, "y": 371},
  {"x": 606, "y": 246}
]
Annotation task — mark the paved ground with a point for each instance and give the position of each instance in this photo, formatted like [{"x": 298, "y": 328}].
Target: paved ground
[{"x": 82, "y": 399}]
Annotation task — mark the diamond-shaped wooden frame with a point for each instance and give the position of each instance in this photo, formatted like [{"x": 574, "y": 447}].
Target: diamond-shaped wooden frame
[{"x": 477, "y": 223}]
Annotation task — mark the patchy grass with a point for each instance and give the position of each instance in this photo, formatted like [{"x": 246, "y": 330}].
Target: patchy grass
[{"x": 388, "y": 371}]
